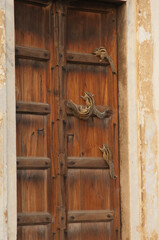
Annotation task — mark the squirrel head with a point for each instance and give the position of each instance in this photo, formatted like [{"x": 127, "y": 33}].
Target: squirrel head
[{"x": 89, "y": 98}]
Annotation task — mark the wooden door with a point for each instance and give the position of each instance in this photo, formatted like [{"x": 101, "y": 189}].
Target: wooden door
[
  {"x": 93, "y": 196},
  {"x": 34, "y": 119},
  {"x": 65, "y": 190}
]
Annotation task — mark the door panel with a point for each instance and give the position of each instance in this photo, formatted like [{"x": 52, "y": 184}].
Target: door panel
[
  {"x": 83, "y": 30},
  {"x": 64, "y": 188},
  {"x": 32, "y": 28},
  {"x": 32, "y": 38},
  {"x": 30, "y": 78},
  {"x": 92, "y": 189},
  {"x": 93, "y": 231},
  {"x": 35, "y": 232}
]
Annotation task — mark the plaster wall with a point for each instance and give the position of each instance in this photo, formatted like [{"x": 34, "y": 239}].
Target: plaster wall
[
  {"x": 7, "y": 123},
  {"x": 148, "y": 114},
  {"x": 139, "y": 118}
]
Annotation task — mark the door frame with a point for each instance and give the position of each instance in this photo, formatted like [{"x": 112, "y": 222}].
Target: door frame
[
  {"x": 8, "y": 189},
  {"x": 128, "y": 139},
  {"x": 128, "y": 125}
]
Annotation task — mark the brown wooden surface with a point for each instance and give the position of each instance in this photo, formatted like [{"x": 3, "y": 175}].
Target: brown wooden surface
[
  {"x": 43, "y": 2},
  {"x": 31, "y": 53},
  {"x": 34, "y": 218},
  {"x": 86, "y": 58},
  {"x": 92, "y": 189},
  {"x": 90, "y": 216},
  {"x": 86, "y": 162},
  {"x": 34, "y": 160},
  {"x": 76, "y": 180},
  {"x": 32, "y": 108},
  {"x": 33, "y": 163}
]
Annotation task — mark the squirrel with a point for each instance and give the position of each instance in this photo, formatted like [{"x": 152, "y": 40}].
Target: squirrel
[{"x": 103, "y": 54}]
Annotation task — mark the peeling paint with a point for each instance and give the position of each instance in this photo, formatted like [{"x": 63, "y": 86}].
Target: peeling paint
[
  {"x": 5, "y": 216},
  {"x": 154, "y": 236},
  {"x": 2, "y": 48},
  {"x": 8, "y": 204},
  {"x": 147, "y": 124},
  {"x": 143, "y": 35}
]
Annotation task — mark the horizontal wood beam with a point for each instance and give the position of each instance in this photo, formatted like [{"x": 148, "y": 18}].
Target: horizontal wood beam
[
  {"x": 85, "y": 58},
  {"x": 32, "y": 53},
  {"x": 114, "y": 1},
  {"x": 32, "y": 108},
  {"x": 33, "y": 163},
  {"x": 95, "y": 6},
  {"x": 86, "y": 163},
  {"x": 34, "y": 218},
  {"x": 41, "y": 2},
  {"x": 90, "y": 216}
]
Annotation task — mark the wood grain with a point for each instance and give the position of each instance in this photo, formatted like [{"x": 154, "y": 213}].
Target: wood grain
[
  {"x": 85, "y": 58},
  {"x": 39, "y": 232},
  {"x": 86, "y": 163},
  {"x": 43, "y": 2},
  {"x": 31, "y": 77},
  {"x": 90, "y": 216},
  {"x": 33, "y": 163},
  {"x": 31, "y": 33},
  {"x": 31, "y": 53},
  {"x": 32, "y": 108},
  {"x": 92, "y": 187},
  {"x": 54, "y": 64},
  {"x": 34, "y": 218},
  {"x": 32, "y": 39}
]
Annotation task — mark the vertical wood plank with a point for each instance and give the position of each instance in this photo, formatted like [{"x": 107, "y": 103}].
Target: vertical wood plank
[
  {"x": 97, "y": 189},
  {"x": 33, "y": 131}
]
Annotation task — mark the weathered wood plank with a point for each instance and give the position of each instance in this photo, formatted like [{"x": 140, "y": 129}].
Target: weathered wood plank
[
  {"x": 41, "y": 2},
  {"x": 34, "y": 218},
  {"x": 115, "y": 0},
  {"x": 33, "y": 163},
  {"x": 85, "y": 58},
  {"x": 90, "y": 216},
  {"x": 32, "y": 53},
  {"x": 95, "y": 6},
  {"x": 32, "y": 108},
  {"x": 86, "y": 163}
]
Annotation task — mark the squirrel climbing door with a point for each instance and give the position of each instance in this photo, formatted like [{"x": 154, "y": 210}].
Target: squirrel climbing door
[{"x": 67, "y": 120}]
